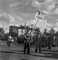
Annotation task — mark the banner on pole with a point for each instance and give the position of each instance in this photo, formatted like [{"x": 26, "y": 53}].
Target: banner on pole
[{"x": 40, "y": 15}]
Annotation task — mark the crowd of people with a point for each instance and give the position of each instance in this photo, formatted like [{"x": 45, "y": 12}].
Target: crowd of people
[{"x": 39, "y": 41}]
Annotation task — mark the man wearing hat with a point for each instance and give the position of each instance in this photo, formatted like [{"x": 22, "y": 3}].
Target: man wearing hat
[{"x": 27, "y": 44}]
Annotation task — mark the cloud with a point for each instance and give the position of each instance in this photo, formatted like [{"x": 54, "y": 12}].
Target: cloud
[
  {"x": 56, "y": 29},
  {"x": 4, "y": 18},
  {"x": 7, "y": 19},
  {"x": 42, "y": 24},
  {"x": 56, "y": 26},
  {"x": 25, "y": 14},
  {"x": 40, "y": 0},
  {"x": 16, "y": 21},
  {"x": 48, "y": 1},
  {"x": 56, "y": 11},
  {"x": 47, "y": 5},
  {"x": 15, "y": 4},
  {"x": 19, "y": 18},
  {"x": 51, "y": 7},
  {"x": 20, "y": 2},
  {"x": 36, "y": 4}
]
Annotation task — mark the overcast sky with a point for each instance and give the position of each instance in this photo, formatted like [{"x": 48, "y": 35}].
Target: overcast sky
[{"x": 22, "y": 11}]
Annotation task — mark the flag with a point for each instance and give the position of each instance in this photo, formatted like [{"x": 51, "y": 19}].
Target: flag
[{"x": 40, "y": 15}]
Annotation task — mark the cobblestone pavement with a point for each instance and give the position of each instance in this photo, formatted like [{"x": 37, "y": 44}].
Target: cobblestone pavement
[{"x": 15, "y": 52}]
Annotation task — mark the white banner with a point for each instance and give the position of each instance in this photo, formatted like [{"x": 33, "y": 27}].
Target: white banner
[{"x": 40, "y": 15}]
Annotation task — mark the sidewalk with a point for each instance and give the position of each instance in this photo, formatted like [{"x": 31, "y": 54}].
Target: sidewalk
[{"x": 18, "y": 49}]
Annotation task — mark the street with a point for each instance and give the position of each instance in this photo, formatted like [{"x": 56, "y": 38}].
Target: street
[{"x": 15, "y": 52}]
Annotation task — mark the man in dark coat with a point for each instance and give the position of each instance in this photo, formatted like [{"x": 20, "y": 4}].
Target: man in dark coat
[
  {"x": 38, "y": 44},
  {"x": 49, "y": 43},
  {"x": 27, "y": 45}
]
